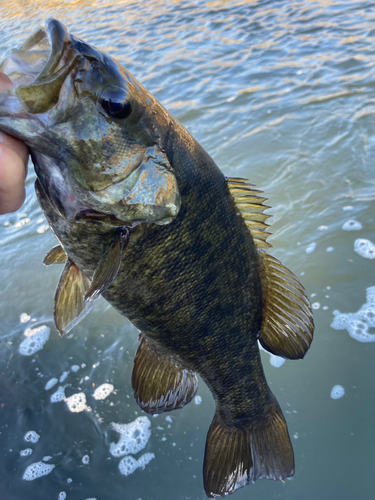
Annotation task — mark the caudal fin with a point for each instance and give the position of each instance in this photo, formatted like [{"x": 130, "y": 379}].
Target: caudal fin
[{"x": 237, "y": 456}]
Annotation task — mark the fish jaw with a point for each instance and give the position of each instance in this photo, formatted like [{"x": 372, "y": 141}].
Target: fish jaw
[{"x": 57, "y": 109}]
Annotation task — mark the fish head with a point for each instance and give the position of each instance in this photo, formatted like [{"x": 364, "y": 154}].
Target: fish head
[{"x": 95, "y": 134}]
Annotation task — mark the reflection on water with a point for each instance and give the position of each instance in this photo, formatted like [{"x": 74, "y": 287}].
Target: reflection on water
[{"x": 280, "y": 93}]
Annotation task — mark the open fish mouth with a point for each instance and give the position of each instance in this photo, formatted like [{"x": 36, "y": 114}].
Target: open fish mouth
[{"x": 40, "y": 66}]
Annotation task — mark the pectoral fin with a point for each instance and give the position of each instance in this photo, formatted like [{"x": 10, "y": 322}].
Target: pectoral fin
[
  {"x": 70, "y": 307},
  {"x": 287, "y": 319},
  {"x": 56, "y": 255},
  {"x": 159, "y": 383},
  {"x": 108, "y": 267}
]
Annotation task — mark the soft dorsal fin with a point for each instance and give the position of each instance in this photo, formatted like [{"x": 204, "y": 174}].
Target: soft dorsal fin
[
  {"x": 287, "y": 319},
  {"x": 160, "y": 384},
  {"x": 56, "y": 255},
  {"x": 70, "y": 306}
]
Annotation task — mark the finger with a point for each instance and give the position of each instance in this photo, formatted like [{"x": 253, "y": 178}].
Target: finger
[{"x": 12, "y": 180}]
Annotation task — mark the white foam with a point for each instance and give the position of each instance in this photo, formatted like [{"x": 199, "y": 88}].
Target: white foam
[
  {"x": 315, "y": 305},
  {"x": 51, "y": 383},
  {"x": 22, "y": 222},
  {"x": 47, "y": 458},
  {"x": 197, "y": 400},
  {"x": 352, "y": 225},
  {"x": 129, "y": 464},
  {"x": 347, "y": 208},
  {"x": 38, "y": 469},
  {"x": 365, "y": 248},
  {"x": 103, "y": 391},
  {"x": 311, "y": 247},
  {"x": 77, "y": 402},
  {"x": 133, "y": 437},
  {"x": 329, "y": 249},
  {"x": 24, "y": 318},
  {"x": 31, "y": 437},
  {"x": 59, "y": 395},
  {"x": 26, "y": 452},
  {"x": 145, "y": 459},
  {"x": 358, "y": 324},
  {"x": 168, "y": 419},
  {"x": 35, "y": 340},
  {"x": 62, "y": 495},
  {"x": 75, "y": 368},
  {"x": 276, "y": 361},
  {"x": 85, "y": 459},
  {"x": 64, "y": 376},
  {"x": 42, "y": 229},
  {"x": 337, "y": 392}
]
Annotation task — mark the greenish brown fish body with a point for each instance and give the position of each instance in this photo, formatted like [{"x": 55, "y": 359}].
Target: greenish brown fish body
[{"x": 145, "y": 218}]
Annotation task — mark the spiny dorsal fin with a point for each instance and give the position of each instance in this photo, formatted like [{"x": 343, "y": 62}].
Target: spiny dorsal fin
[
  {"x": 287, "y": 319},
  {"x": 56, "y": 255},
  {"x": 159, "y": 383},
  {"x": 70, "y": 306},
  {"x": 287, "y": 322},
  {"x": 250, "y": 207}
]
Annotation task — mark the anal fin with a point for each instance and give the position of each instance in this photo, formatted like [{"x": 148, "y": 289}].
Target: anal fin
[{"x": 159, "y": 383}]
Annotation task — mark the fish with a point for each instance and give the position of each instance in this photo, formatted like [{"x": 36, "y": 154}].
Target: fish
[{"x": 145, "y": 218}]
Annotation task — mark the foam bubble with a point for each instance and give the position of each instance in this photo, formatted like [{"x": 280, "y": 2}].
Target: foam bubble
[
  {"x": 364, "y": 248},
  {"x": 358, "y": 324},
  {"x": 77, "y": 402},
  {"x": 168, "y": 419},
  {"x": 310, "y": 248},
  {"x": 35, "y": 340},
  {"x": 24, "y": 318},
  {"x": 329, "y": 249},
  {"x": 315, "y": 305},
  {"x": 51, "y": 383},
  {"x": 47, "y": 458},
  {"x": 42, "y": 229},
  {"x": 129, "y": 464},
  {"x": 145, "y": 459},
  {"x": 276, "y": 361},
  {"x": 38, "y": 469},
  {"x": 59, "y": 395},
  {"x": 85, "y": 459},
  {"x": 337, "y": 392},
  {"x": 31, "y": 437},
  {"x": 26, "y": 452},
  {"x": 64, "y": 376},
  {"x": 197, "y": 400},
  {"x": 62, "y": 495},
  {"x": 75, "y": 368},
  {"x": 22, "y": 222},
  {"x": 103, "y": 391},
  {"x": 133, "y": 437},
  {"x": 352, "y": 225}
]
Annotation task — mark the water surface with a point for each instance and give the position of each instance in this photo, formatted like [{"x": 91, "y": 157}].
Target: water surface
[{"x": 281, "y": 93}]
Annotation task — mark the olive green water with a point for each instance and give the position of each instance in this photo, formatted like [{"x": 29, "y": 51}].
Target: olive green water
[{"x": 281, "y": 93}]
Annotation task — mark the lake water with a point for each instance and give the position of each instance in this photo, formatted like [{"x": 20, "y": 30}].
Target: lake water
[{"x": 281, "y": 93}]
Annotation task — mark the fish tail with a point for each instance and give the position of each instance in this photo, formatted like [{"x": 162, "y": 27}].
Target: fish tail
[{"x": 239, "y": 455}]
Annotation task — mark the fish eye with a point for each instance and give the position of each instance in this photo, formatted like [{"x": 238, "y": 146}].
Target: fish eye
[{"x": 115, "y": 102}]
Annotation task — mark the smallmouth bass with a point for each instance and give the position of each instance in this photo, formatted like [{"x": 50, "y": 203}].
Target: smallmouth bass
[{"x": 145, "y": 218}]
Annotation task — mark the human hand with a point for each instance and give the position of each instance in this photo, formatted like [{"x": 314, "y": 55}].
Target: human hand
[{"x": 14, "y": 155}]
